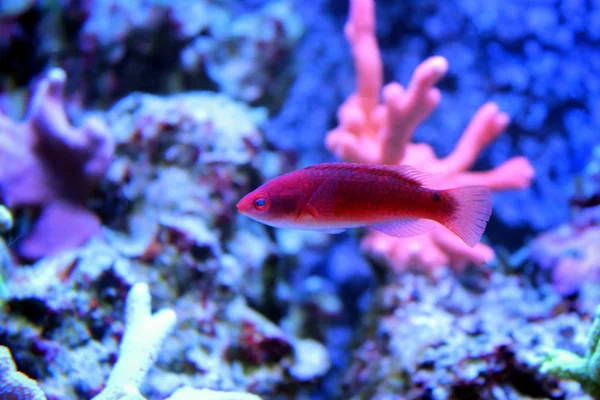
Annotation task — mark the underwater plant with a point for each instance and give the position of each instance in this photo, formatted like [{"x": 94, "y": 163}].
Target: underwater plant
[
  {"x": 370, "y": 131},
  {"x": 586, "y": 369}
]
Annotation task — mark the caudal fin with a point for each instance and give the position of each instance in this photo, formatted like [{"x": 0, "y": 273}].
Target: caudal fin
[{"x": 473, "y": 210}]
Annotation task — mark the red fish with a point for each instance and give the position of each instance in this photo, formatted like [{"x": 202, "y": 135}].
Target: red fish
[{"x": 390, "y": 199}]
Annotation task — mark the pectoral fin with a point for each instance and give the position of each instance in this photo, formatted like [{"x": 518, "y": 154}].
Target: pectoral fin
[{"x": 321, "y": 205}]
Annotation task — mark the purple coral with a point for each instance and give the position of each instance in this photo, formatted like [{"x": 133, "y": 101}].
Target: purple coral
[{"x": 52, "y": 166}]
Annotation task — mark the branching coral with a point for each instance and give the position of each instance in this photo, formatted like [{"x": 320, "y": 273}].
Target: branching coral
[
  {"x": 141, "y": 344},
  {"x": 51, "y": 165},
  {"x": 585, "y": 370},
  {"x": 144, "y": 335},
  {"x": 373, "y": 132}
]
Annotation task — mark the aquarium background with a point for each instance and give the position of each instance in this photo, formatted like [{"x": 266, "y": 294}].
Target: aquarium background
[{"x": 129, "y": 130}]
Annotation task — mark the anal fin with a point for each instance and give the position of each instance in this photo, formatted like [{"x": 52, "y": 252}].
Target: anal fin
[
  {"x": 422, "y": 178},
  {"x": 405, "y": 227}
]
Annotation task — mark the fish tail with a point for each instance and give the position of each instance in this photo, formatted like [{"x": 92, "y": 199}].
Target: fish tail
[{"x": 471, "y": 212}]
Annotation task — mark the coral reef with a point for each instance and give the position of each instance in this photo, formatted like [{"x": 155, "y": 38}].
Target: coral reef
[
  {"x": 219, "y": 343},
  {"x": 154, "y": 179},
  {"x": 181, "y": 163},
  {"x": 371, "y": 132},
  {"x": 535, "y": 71},
  {"x": 141, "y": 343},
  {"x": 247, "y": 51},
  {"x": 137, "y": 355},
  {"x": 585, "y": 370},
  {"x": 570, "y": 252},
  {"x": 521, "y": 55},
  {"x": 110, "y": 48},
  {"x": 448, "y": 340},
  {"x": 528, "y": 58},
  {"x": 52, "y": 166}
]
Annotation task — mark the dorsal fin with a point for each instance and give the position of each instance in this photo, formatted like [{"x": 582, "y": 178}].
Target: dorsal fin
[{"x": 406, "y": 172}]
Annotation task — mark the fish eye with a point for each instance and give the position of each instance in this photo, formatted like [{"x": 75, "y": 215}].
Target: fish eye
[{"x": 260, "y": 203}]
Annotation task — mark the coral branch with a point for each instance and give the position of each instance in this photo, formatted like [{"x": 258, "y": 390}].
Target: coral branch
[
  {"x": 360, "y": 31},
  {"x": 485, "y": 126},
  {"x": 381, "y": 133},
  {"x": 406, "y": 110},
  {"x": 143, "y": 338}
]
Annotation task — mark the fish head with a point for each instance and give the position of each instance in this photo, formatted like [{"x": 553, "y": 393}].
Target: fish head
[
  {"x": 272, "y": 205},
  {"x": 255, "y": 204}
]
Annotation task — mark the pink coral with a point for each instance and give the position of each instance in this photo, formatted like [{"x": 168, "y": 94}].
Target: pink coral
[
  {"x": 48, "y": 164},
  {"x": 370, "y": 131}
]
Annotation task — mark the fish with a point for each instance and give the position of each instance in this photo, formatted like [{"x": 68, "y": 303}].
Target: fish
[{"x": 395, "y": 200}]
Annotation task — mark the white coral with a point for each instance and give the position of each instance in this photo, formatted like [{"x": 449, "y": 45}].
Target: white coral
[
  {"x": 14, "y": 384},
  {"x": 188, "y": 393},
  {"x": 143, "y": 338}
]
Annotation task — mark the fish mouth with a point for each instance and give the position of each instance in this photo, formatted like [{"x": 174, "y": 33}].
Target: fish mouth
[
  {"x": 244, "y": 205},
  {"x": 239, "y": 206}
]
